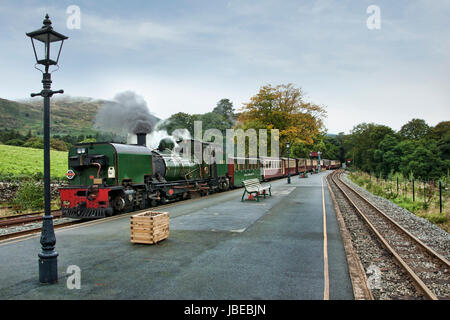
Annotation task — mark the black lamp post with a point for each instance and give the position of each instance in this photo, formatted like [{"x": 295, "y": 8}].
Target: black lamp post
[
  {"x": 288, "y": 146},
  {"x": 319, "y": 153},
  {"x": 45, "y": 37}
]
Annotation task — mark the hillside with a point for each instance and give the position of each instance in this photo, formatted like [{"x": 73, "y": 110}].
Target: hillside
[
  {"x": 68, "y": 115},
  {"x": 20, "y": 162}
]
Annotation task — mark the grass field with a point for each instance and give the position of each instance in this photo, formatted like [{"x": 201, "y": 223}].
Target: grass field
[
  {"x": 425, "y": 202},
  {"x": 19, "y": 162}
]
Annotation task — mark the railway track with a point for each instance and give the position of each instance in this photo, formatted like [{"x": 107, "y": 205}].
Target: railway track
[
  {"x": 8, "y": 221},
  {"x": 429, "y": 271},
  {"x": 35, "y": 230}
]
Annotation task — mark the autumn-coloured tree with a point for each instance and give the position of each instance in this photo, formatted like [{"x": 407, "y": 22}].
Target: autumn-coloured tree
[{"x": 283, "y": 107}]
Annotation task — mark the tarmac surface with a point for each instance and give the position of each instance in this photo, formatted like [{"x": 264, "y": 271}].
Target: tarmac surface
[{"x": 219, "y": 248}]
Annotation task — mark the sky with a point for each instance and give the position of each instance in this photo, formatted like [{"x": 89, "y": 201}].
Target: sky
[{"x": 184, "y": 56}]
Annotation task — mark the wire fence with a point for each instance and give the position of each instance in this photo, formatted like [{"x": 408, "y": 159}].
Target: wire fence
[{"x": 424, "y": 195}]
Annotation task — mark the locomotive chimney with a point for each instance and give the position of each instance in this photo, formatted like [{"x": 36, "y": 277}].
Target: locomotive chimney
[{"x": 141, "y": 139}]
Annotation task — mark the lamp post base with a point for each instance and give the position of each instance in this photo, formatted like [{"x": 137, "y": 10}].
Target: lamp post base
[
  {"x": 48, "y": 257},
  {"x": 289, "y": 180},
  {"x": 48, "y": 268}
]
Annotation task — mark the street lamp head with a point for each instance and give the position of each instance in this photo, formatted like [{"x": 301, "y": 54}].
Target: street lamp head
[
  {"x": 288, "y": 145},
  {"x": 45, "y": 37}
]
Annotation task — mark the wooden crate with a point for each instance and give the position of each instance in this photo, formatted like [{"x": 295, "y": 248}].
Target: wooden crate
[{"x": 149, "y": 227}]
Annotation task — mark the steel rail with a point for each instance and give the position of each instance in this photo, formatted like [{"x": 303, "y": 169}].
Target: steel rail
[
  {"x": 411, "y": 236},
  {"x": 421, "y": 285},
  {"x": 25, "y": 218},
  {"x": 13, "y": 216},
  {"x": 22, "y": 233}
]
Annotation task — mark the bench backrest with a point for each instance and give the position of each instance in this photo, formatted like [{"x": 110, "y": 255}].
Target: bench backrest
[{"x": 251, "y": 182}]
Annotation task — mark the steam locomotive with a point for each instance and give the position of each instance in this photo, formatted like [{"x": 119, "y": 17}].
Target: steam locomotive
[{"x": 111, "y": 178}]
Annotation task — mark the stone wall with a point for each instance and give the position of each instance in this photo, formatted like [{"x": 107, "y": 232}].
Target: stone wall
[{"x": 8, "y": 190}]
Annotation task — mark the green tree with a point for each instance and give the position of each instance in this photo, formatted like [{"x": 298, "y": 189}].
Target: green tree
[
  {"x": 283, "y": 107},
  {"x": 444, "y": 146},
  {"x": 59, "y": 145},
  {"x": 423, "y": 161},
  {"x": 440, "y": 130},
  {"x": 225, "y": 108},
  {"x": 388, "y": 155},
  {"x": 179, "y": 120},
  {"x": 34, "y": 142},
  {"x": 362, "y": 143},
  {"x": 213, "y": 120},
  {"x": 15, "y": 142},
  {"x": 414, "y": 129}
]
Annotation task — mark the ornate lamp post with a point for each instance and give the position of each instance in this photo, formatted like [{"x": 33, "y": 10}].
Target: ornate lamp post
[
  {"x": 46, "y": 37},
  {"x": 288, "y": 146},
  {"x": 319, "y": 153}
]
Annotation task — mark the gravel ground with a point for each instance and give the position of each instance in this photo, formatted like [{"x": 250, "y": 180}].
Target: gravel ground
[
  {"x": 430, "y": 234},
  {"x": 386, "y": 279},
  {"x": 32, "y": 225}
]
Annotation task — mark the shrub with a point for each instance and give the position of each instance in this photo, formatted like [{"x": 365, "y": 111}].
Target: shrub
[
  {"x": 436, "y": 218},
  {"x": 34, "y": 142},
  {"x": 14, "y": 142},
  {"x": 30, "y": 195}
]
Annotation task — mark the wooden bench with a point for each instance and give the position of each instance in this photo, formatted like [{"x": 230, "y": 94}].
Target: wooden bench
[{"x": 252, "y": 186}]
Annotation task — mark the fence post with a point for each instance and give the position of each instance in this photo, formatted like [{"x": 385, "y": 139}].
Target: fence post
[
  {"x": 424, "y": 201},
  {"x": 397, "y": 185},
  {"x": 414, "y": 197},
  {"x": 440, "y": 197}
]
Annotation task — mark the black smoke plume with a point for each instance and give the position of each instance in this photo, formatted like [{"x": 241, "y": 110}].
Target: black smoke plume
[{"x": 127, "y": 113}]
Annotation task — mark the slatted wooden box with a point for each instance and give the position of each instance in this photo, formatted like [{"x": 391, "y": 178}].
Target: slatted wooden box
[{"x": 149, "y": 227}]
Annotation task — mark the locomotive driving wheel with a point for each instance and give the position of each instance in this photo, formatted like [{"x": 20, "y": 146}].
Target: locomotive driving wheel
[{"x": 118, "y": 203}]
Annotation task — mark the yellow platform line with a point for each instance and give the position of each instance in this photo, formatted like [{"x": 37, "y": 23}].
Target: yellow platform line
[{"x": 326, "y": 289}]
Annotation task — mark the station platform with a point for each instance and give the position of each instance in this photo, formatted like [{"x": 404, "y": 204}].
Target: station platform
[{"x": 219, "y": 248}]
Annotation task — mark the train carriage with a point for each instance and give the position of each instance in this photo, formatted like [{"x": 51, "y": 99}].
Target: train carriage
[
  {"x": 314, "y": 164},
  {"x": 301, "y": 165},
  {"x": 289, "y": 165},
  {"x": 335, "y": 164},
  {"x": 271, "y": 168},
  {"x": 240, "y": 169},
  {"x": 325, "y": 164}
]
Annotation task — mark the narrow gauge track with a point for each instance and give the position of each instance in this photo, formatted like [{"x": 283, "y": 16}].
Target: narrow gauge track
[
  {"x": 35, "y": 230},
  {"x": 13, "y": 220},
  {"x": 428, "y": 270}
]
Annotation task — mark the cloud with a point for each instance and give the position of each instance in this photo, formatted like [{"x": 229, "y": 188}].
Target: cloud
[
  {"x": 127, "y": 32},
  {"x": 186, "y": 55}
]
